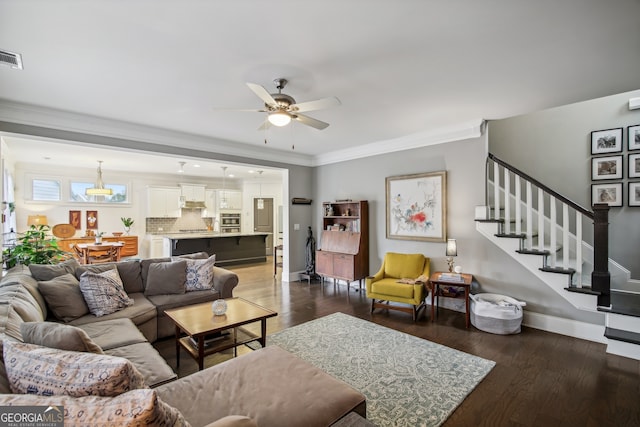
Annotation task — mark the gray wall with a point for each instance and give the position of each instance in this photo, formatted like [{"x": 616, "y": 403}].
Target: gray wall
[
  {"x": 554, "y": 146},
  {"x": 364, "y": 179}
]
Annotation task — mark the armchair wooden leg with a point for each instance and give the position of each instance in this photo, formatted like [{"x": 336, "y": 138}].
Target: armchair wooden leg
[{"x": 373, "y": 304}]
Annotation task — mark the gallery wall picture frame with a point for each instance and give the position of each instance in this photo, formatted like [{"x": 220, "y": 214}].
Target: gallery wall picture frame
[
  {"x": 610, "y": 193},
  {"x": 608, "y": 167},
  {"x": 634, "y": 194},
  {"x": 92, "y": 220},
  {"x": 634, "y": 165},
  {"x": 416, "y": 206},
  {"x": 606, "y": 141},
  {"x": 75, "y": 219},
  {"x": 633, "y": 137}
]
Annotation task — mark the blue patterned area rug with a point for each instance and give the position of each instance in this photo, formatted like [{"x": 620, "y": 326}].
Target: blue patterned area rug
[{"x": 408, "y": 381}]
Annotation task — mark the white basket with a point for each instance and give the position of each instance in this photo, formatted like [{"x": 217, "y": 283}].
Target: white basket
[{"x": 497, "y": 314}]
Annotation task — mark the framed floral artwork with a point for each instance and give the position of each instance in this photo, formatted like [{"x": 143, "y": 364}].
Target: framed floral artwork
[
  {"x": 417, "y": 207},
  {"x": 75, "y": 219},
  {"x": 92, "y": 220}
]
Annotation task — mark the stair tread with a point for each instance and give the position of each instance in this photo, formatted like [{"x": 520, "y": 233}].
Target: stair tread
[
  {"x": 583, "y": 290},
  {"x": 533, "y": 252},
  {"x": 559, "y": 270},
  {"x": 623, "y": 303},
  {"x": 499, "y": 221},
  {"x": 511, "y": 235},
  {"x": 620, "y": 335}
]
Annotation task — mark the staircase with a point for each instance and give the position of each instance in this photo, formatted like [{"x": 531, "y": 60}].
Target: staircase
[{"x": 543, "y": 231}]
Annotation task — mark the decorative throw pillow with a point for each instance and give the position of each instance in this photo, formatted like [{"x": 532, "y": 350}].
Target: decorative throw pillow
[
  {"x": 165, "y": 278},
  {"x": 64, "y": 297},
  {"x": 104, "y": 292},
  {"x": 233, "y": 421},
  {"x": 48, "y": 272},
  {"x": 57, "y": 335},
  {"x": 133, "y": 408},
  {"x": 33, "y": 369},
  {"x": 200, "y": 274}
]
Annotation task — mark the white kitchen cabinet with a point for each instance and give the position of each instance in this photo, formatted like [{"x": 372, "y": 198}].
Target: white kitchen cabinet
[
  {"x": 210, "y": 201},
  {"x": 163, "y": 202},
  {"x": 233, "y": 198},
  {"x": 192, "y": 192},
  {"x": 155, "y": 246}
]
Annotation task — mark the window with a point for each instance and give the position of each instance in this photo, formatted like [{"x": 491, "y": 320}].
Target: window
[
  {"x": 78, "y": 193},
  {"x": 45, "y": 190}
]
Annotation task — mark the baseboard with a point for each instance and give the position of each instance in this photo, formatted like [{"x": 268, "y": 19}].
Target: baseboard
[{"x": 569, "y": 327}]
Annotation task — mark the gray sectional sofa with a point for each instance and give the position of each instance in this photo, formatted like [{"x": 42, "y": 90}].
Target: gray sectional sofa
[{"x": 268, "y": 387}]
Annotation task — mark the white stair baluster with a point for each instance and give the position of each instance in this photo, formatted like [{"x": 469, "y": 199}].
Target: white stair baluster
[
  {"x": 518, "y": 208},
  {"x": 540, "y": 220},
  {"x": 552, "y": 231},
  {"x": 579, "y": 249},
  {"x": 507, "y": 205},
  {"x": 565, "y": 236},
  {"x": 496, "y": 191},
  {"x": 529, "y": 216}
]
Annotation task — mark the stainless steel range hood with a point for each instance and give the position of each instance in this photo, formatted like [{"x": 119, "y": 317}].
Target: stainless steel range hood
[{"x": 189, "y": 204}]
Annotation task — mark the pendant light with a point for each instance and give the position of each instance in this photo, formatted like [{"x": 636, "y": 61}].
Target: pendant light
[
  {"x": 260, "y": 200},
  {"x": 223, "y": 201},
  {"x": 99, "y": 189}
]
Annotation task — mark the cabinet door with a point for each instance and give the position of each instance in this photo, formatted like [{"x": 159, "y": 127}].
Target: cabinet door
[
  {"x": 192, "y": 193},
  {"x": 155, "y": 247},
  {"x": 324, "y": 263},
  {"x": 172, "y": 203},
  {"x": 210, "y": 201},
  {"x": 155, "y": 203},
  {"x": 343, "y": 266}
]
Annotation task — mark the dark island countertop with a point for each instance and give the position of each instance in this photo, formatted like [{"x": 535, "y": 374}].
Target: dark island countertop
[{"x": 229, "y": 248}]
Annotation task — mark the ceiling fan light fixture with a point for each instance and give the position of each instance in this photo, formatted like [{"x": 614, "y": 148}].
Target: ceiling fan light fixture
[{"x": 279, "y": 118}]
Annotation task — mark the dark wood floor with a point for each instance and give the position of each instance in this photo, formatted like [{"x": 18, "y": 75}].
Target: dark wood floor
[{"x": 540, "y": 378}]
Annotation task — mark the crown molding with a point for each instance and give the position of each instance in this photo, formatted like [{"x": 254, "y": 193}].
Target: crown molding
[
  {"x": 32, "y": 115},
  {"x": 471, "y": 129}
]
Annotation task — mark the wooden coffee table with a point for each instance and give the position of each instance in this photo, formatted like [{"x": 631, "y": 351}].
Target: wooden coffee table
[{"x": 198, "y": 322}]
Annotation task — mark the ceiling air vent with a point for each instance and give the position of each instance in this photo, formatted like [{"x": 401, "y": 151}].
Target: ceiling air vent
[{"x": 13, "y": 60}]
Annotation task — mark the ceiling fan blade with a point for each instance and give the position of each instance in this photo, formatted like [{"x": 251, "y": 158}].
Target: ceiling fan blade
[
  {"x": 250, "y": 110},
  {"x": 310, "y": 121},
  {"x": 262, "y": 94},
  {"x": 265, "y": 125},
  {"x": 318, "y": 104}
]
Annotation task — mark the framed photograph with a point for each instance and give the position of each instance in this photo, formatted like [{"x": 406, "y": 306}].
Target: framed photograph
[
  {"x": 607, "y": 193},
  {"x": 609, "y": 167},
  {"x": 417, "y": 207},
  {"x": 606, "y": 141},
  {"x": 634, "y": 137},
  {"x": 634, "y": 194},
  {"x": 92, "y": 220},
  {"x": 75, "y": 219},
  {"x": 634, "y": 165}
]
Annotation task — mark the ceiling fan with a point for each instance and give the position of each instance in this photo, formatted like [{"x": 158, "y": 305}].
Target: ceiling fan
[{"x": 282, "y": 108}]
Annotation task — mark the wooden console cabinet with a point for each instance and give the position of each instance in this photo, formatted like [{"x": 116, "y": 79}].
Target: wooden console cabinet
[
  {"x": 130, "y": 247},
  {"x": 344, "y": 244}
]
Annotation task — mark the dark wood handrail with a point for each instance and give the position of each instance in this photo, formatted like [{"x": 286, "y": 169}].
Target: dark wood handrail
[{"x": 584, "y": 211}]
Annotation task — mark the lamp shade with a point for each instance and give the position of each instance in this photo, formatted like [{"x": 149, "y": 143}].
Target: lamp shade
[
  {"x": 452, "y": 247},
  {"x": 279, "y": 118},
  {"x": 37, "y": 220},
  {"x": 99, "y": 189}
]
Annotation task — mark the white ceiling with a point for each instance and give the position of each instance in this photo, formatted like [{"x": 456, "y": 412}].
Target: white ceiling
[{"x": 400, "y": 68}]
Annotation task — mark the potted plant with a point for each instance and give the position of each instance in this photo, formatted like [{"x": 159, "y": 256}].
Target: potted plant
[
  {"x": 99, "y": 235},
  {"x": 34, "y": 246},
  {"x": 127, "y": 222}
]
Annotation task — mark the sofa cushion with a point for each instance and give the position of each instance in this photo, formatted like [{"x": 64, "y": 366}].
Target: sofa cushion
[
  {"x": 199, "y": 273},
  {"x": 145, "y": 263},
  {"x": 129, "y": 273},
  {"x": 34, "y": 369},
  {"x": 58, "y": 335},
  {"x": 390, "y": 286},
  {"x": 64, "y": 297},
  {"x": 140, "y": 312},
  {"x": 400, "y": 265},
  {"x": 22, "y": 276},
  {"x": 147, "y": 360},
  {"x": 113, "y": 333},
  {"x": 104, "y": 292},
  {"x": 5, "y": 387},
  {"x": 22, "y": 301},
  {"x": 48, "y": 272},
  {"x": 166, "y": 278},
  {"x": 133, "y": 408}
]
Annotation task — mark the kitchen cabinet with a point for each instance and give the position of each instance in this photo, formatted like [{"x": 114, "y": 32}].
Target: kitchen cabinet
[
  {"x": 192, "y": 192},
  {"x": 155, "y": 246},
  {"x": 233, "y": 199},
  {"x": 210, "y": 201},
  {"x": 163, "y": 202}
]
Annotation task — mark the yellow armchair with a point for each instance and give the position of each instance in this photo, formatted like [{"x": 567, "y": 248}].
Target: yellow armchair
[{"x": 384, "y": 286}]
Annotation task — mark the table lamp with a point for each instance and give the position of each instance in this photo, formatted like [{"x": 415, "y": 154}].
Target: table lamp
[
  {"x": 451, "y": 251},
  {"x": 37, "y": 220}
]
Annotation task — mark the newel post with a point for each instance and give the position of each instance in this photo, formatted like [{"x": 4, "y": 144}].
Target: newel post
[{"x": 600, "y": 278}]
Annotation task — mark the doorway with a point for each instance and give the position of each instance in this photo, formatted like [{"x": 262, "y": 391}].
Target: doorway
[{"x": 263, "y": 221}]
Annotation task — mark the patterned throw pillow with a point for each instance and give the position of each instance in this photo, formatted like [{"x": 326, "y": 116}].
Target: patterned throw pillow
[
  {"x": 200, "y": 274},
  {"x": 104, "y": 292},
  {"x": 133, "y": 408},
  {"x": 33, "y": 369}
]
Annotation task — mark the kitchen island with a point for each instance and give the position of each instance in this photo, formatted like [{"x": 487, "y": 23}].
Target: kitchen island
[{"x": 229, "y": 248}]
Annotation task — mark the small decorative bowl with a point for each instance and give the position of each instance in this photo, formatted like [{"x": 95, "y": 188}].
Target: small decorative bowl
[
  {"x": 219, "y": 307},
  {"x": 117, "y": 233}
]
